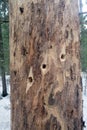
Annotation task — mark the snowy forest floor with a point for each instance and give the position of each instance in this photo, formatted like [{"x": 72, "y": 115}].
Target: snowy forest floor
[{"x": 5, "y": 108}]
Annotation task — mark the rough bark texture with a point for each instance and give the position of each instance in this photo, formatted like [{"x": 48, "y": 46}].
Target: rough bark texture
[{"x": 45, "y": 65}]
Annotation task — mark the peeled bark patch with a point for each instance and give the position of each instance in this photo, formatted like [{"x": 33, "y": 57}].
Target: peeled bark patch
[{"x": 45, "y": 67}]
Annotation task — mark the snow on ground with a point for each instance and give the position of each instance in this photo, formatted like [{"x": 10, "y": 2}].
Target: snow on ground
[
  {"x": 85, "y": 110},
  {"x": 84, "y": 83},
  {"x": 5, "y": 108},
  {"x": 5, "y": 114}
]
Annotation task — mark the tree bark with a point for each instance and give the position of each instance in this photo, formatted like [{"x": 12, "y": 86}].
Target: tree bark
[{"x": 46, "y": 91}]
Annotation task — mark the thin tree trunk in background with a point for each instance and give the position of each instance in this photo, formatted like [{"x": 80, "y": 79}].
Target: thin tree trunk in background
[
  {"x": 46, "y": 91},
  {"x": 4, "y": 88},
  {"x": 2, "y": 68},
  {"x": 81, "y": 6}
]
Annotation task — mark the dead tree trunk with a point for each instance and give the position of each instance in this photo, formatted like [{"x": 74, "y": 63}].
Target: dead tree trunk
[{"x": 45, "y": 65}]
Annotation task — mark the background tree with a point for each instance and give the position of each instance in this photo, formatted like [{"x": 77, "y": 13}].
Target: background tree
[
  {"x": 83, "y": 41},
  {"x": 80, "y": 6},
  {"x": 4, "y": 93},
  {"x": 83, "y": 36},
  {"x": 5, "y": 37},
  {"x": 3, "y": 43},
  {"x": 45, "y": 65}
]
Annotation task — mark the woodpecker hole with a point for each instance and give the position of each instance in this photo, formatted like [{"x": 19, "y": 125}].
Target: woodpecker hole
[
  {"x": 30, "y": 79},
  {"x": 63, "y": 56},
  {"x": 44, "y": 66},
  {"x": 21, "y": 10}
]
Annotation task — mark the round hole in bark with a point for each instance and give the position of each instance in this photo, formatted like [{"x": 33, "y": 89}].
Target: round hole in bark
[
  {"x": 21, "y": 10},
  {"x": 62, "y": 56},
  {"x": 30, "y": 79},
  {"x": 44, "y": 66}
]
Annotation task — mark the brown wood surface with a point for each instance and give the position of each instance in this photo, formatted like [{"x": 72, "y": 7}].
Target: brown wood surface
[{"x": 46, "y": 91}]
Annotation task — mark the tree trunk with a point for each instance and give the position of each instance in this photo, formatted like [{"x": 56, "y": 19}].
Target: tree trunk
[
  {"x": 4, "y": 88},
  {"x": 46, "y": 91},
  {"x": 80, "y": 6}
]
